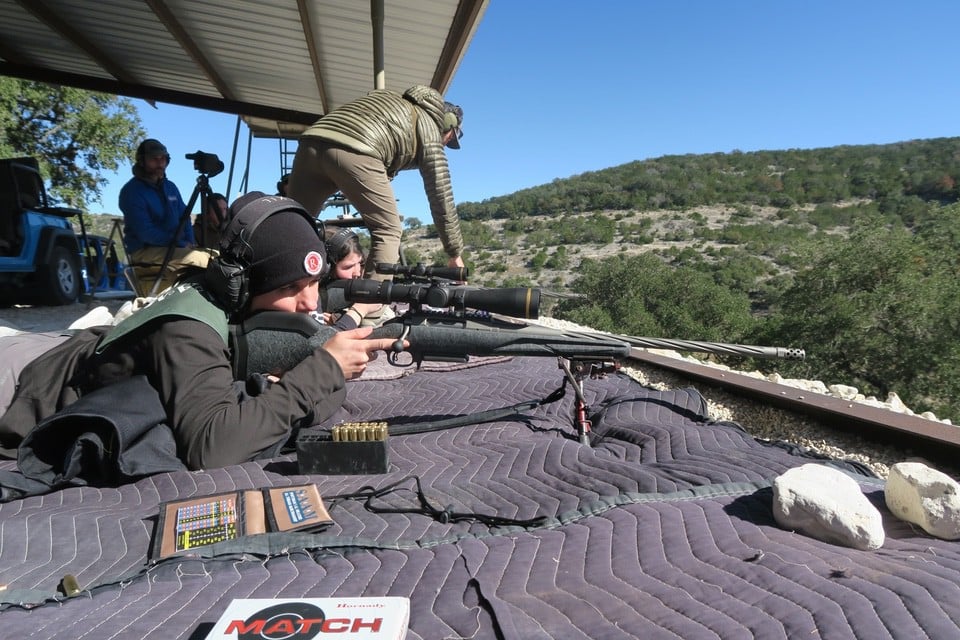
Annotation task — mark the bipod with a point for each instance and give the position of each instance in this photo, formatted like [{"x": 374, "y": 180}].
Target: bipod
[
  {"x": 202, "y": 188},
  {"x": 575, "y": 371}
]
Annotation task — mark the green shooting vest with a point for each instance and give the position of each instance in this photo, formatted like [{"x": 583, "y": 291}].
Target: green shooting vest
[{"x": 186, "y": 300}]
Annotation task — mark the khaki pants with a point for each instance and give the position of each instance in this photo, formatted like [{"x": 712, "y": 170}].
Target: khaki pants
[
  {"x": 146, "y": 264},
  {"x": 320, "y": 169}
]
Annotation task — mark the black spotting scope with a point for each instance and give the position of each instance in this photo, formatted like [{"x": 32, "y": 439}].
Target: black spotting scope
[
  {"x": 424, "y": 271},
  {"x": 517, "y": 302},
  {"x": 206, "y": 163}
]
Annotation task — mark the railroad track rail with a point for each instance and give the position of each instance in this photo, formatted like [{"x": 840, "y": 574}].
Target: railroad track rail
[{"x": 912, "y": 434}]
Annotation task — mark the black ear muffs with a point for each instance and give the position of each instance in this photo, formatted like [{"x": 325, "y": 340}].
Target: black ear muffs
[
  {"x": 334, "y": 246},
  {"x": 226, "y": 276},
  {"x": 336, "y": 243},
  {"x": 225, "y": 279}
]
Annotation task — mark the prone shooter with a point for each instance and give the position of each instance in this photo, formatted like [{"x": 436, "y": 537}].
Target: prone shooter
[{"x": 449, "y": 322}]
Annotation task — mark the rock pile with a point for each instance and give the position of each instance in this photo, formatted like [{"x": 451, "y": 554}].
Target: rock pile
[{"x": 829, "y": 505}]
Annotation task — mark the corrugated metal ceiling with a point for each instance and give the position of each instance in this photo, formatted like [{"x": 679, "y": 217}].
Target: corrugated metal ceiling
[{"x": 279, "y": 63}]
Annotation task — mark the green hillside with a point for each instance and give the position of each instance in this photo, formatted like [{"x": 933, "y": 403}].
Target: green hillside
[
  {"x": 852, "y": 253},
  {"x": 892, "y": 174}
]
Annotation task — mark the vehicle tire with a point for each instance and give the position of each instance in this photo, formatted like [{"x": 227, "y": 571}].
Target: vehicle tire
[{"x": 61, "y": 279}]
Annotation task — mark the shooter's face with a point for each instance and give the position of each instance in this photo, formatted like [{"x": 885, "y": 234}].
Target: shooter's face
[
  {"x": 155, "y": 167},
  {"x": 301, "y": 296},
  {"x": 217, "y": 214},
  {"x": 349, "y": 267}
]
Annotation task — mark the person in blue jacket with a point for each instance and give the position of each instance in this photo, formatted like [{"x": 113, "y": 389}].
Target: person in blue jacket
[{"x": 152, "y": 207}]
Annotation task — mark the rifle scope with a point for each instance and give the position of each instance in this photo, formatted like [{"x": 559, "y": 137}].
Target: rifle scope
[
  {"x": 517, "y": 302},
  {"x": 424, "y": 271}
]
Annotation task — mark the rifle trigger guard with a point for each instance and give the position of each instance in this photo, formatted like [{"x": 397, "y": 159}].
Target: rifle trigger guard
[{"x": 393, "y": 357}]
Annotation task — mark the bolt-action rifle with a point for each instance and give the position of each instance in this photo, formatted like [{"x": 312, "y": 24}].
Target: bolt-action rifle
[{"x": 449, "y": 322}]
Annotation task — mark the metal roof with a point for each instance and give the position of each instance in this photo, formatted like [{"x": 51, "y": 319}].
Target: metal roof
[{"x": 279, "y": 63}]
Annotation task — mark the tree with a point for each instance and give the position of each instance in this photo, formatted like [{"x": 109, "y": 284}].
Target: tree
[
  {"x": 641, "y": 295},
  {"x": 879, "y": 311},
  {"x": 74, "y": 134}
]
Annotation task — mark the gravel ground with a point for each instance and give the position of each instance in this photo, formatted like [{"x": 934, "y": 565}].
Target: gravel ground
[
  {"x": 762, "y": 421},
  {"x": 39, "y": 318}
]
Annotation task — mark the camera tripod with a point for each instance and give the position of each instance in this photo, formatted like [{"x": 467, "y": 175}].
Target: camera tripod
[{"x": 203, "y": 192}]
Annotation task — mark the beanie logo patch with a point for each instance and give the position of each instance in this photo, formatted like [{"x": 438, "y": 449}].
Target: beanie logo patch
[{"x": 313, "y": 263}]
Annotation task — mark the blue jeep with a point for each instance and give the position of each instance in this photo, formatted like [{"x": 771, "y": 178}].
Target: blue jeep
[
  {"x": 42, "y": 259},
  {"x": 39, "y": 252}
]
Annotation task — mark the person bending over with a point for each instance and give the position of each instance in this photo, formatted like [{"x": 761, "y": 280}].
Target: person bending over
[
  {"x": 271, "y": 259},
  {"x": 359, "y": 147}
]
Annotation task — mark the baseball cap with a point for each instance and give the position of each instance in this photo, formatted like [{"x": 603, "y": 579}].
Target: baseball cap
[{"x": 153, "y": 148}]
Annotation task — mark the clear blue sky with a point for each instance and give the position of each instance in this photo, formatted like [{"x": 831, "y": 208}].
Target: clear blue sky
[{"x": 554, "y": 88}]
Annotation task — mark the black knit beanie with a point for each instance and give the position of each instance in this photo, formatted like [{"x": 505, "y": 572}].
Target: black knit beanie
[{"x": 284, "y": 248}]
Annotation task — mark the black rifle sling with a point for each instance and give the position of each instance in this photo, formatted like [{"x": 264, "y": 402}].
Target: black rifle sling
[
  {"x": 446, "y": 515},
  {"x": 480, "y": 417}
]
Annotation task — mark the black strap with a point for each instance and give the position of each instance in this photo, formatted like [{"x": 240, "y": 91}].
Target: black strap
[
  {"x": 446, "y": 515},
  {"x": 480, "y": 417}
]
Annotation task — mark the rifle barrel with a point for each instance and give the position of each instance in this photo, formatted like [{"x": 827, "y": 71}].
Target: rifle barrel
[{"x": 719, "y": 348}]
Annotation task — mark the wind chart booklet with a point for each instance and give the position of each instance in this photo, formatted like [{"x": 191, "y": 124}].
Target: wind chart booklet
[{"x": 196, "y": 522}]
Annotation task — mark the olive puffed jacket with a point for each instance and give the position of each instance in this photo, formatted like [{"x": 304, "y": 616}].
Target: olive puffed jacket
[{"x": 404, "y": 132}]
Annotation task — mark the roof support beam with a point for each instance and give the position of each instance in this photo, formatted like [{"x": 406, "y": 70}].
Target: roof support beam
[
  {"x": 177, "y": 31},
  {"x": 307, "y": 25},
  {"x": 104, "y": 85},
  {"x": 379, "y": 65},
  {"x": 49, "y": 17},
  {"x": 469, "y": 13}
]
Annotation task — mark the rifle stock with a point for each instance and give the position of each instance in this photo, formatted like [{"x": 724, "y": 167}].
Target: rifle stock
[
  {"x": 452, "y": 339},
  {"x": 273, "y": 341}
]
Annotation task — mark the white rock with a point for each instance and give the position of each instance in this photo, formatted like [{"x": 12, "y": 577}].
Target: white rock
[
  {"x": 895, "y": 403},
  {"x": 925, "y": 497},
  {"x": 846, "y": 392},
  {"x": 826, "y": 504},
  {"x": 817, "y": 387}
]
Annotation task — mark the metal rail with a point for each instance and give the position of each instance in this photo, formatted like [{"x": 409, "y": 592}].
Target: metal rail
[{"x": 912, "y": 433}]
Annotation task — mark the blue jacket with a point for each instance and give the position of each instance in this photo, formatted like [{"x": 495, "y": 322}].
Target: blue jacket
[{"x": 151, "y": 214}]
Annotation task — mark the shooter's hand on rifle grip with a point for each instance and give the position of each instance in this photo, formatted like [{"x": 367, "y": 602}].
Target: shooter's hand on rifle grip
[{"x": 352, "y": 350}]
